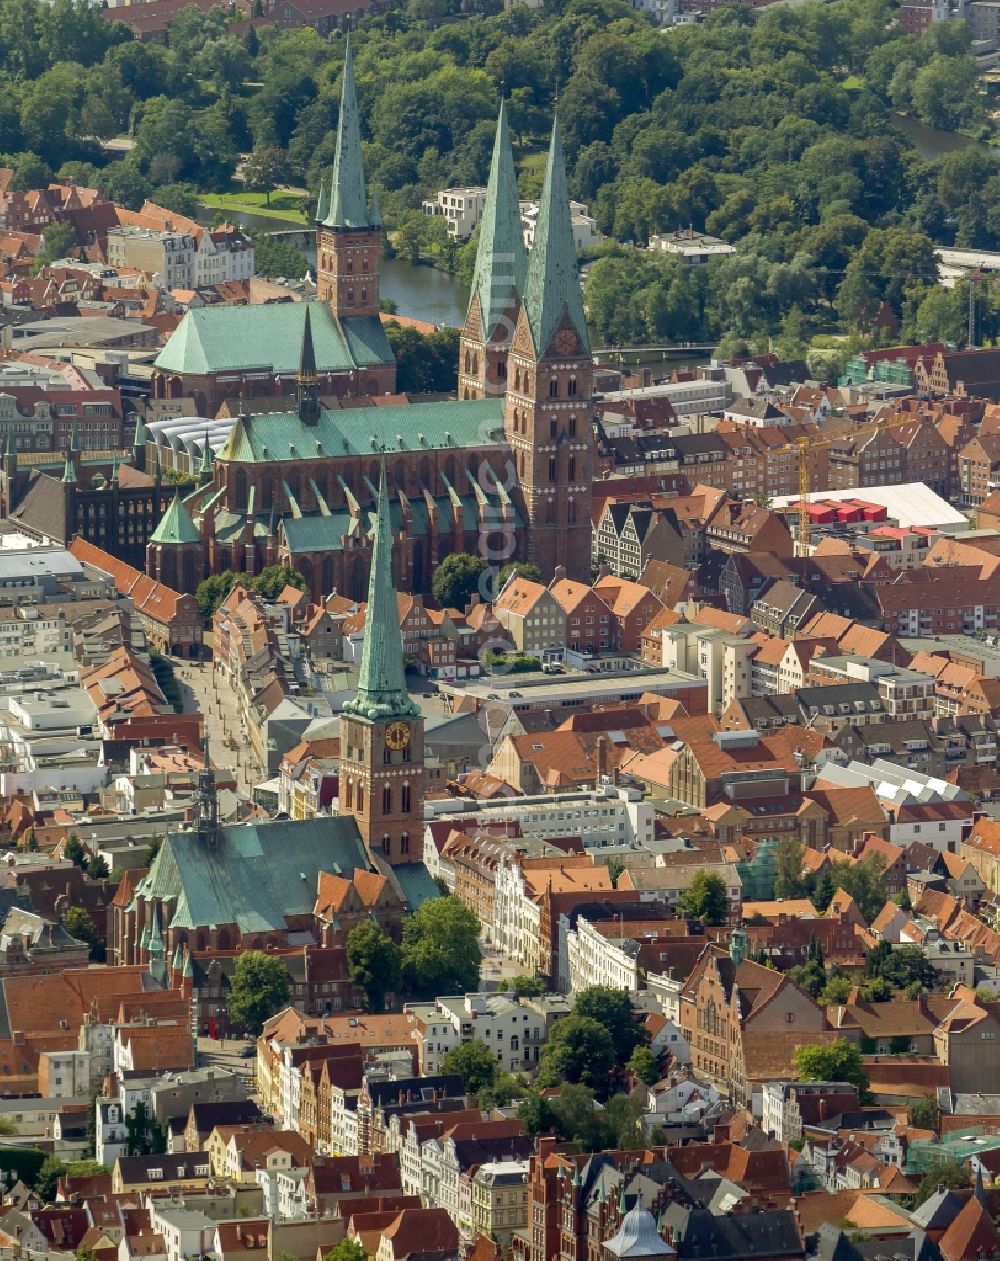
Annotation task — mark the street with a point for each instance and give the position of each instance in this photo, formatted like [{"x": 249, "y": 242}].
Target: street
[
  {"x": 202, "y": 692},
  {"x": 225, "y": 1053}
]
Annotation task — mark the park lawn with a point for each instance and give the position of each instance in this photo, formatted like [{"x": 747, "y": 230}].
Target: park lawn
[{"x": 283, "y": 205}]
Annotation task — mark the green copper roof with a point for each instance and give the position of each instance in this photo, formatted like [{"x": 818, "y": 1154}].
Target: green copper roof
[
  {"x": 176, "y": 525},
  {"x": 348, "y": 205},
  {"x": 283, "y": 436},
  {"x": 235, "y": 338},
  {"x": 139, "y": 437},
  {"x": 69, "y": 472},
  {"x": 501, "y": 261},
  {"x": 382, "y": 681},
  {"x": 314, "y": 532},
  {"x": 552, "y": 288},
  {"x": 254, "y": 875}
]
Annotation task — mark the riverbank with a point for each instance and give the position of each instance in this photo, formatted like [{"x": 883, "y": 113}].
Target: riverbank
[{"x": 283, "y": 206}]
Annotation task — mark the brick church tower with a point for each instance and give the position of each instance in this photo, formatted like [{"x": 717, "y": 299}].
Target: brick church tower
[
  {"x": 381, "y": 772},
  {"x": 548, "y": 411},
  {"x": 348, "y": 231},
  {"x": 498, "y": 281}
]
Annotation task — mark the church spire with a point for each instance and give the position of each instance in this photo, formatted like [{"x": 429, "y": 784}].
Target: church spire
[
  {"x": 207, "y": 802},
  {"x": 307, "y": 380},
  {"x": 346, "y": 205},
  {"x": 501, "y": 262},
  {"x": 552, "y": 287},
  {"x": 382, "y": 681}
]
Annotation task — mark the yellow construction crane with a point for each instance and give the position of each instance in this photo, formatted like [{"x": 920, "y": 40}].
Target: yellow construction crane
[{"x": 805, "y": 445}]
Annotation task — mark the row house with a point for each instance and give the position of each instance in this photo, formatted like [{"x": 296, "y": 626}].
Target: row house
[
  {"x": 871, "y": 459},
  {"x": 627, "y": 536},
  {"x": 742, "y": 527},
  {"x": 951, "y": 600},
  {"x": 28, "y": 211},
  {"x": 978, "y": 469},
  {"x": 385, "y": 1103}
]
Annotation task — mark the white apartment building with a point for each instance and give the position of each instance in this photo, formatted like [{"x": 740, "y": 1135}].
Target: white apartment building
[
  {"x": 48, "y": 735},
  {"x": 512, "y": 1031},
  {"x": 585, "y": 230},
  {"x": 687, "y": 398},
  {"x": 604, "y": 817},
  {"x": 593, "y": 959},
  {"x": 516, "y": 917},
  {"x": 695, "y": 248},
  {"x": 186, "y": 1232},
  {"x": 462, "y": 208}
]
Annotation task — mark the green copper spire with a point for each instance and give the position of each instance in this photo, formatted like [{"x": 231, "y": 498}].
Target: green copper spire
[
  {"x": 74, "y": 437},
  {"x": 501, "y": 261},
  {"x": 207, "y": 460},
  {"x": 552, "y": 289},
  {"x": 178, "y": 961},
  {"x": 176, "y": 525},
  {"x": 307, "y": 382},
  {"x": 346, "y": 205},
  {"x": 139, "y": 437},
  {"x": 382, "y": 681},
  {"x": 69, "y": 472}
]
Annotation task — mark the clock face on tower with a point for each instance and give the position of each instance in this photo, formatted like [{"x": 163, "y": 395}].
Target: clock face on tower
[{"x": 397, "y": 735}]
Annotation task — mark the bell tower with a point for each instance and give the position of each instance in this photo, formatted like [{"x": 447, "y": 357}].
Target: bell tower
[
  {"x": 381, "y": 771},
  {"x": 348, "y": 231},
  {"x": 498, "y": 280},
  {"x": 548, "y": 411}
]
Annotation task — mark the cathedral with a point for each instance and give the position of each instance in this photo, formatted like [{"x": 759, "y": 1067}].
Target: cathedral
[{"x": 503, "y": 471}]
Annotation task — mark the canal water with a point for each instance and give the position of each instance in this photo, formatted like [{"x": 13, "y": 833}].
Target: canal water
[
  {"x": 930, "y": 142},
  {"x": 420, "y": 293}
]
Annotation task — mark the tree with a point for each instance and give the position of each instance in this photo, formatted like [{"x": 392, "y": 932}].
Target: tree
[
  {"x": 182, "y": 199},
  {"x": 706, "y": 898},
  {"x": 456, "y": 579},
  {"x": 276, "y": 259},
  {"x": 259, "y": 987},
  {"x": 577, "y": 1119},
  {"x": 836, "y": 1061},
  {"x": 346, "y": 1250},
  {"x": 837, "y": 990},
  {"x": 211, "y": 593},
  {"x": 152, "y": 849},
  {"x": 645, "y": 1065},
  {"x": 373, "y": 960},
  {"x": 925, "y": 1113},
  {"x": 58, "y": 241},
  {"x": 441, "y": 952},
  {"x": 265, "y": 169},
  {"x": 79, "y": 923},
  {"x": 74, "y": 850},
  {"x": 273, "y": 579},
  {"x": 613, "y": 1010},
  {"x": 97, "y": 868},
  {"x": 528, "y": 986},
  {"x": 945, "y": 1174},
  {"x": 48, "y": 1177},
  {"x": 580, "y": 1050},
  {"x": 426, "y": 363},
  {"x": 900, "y": 966},
  {"x": 864, "y": 882},
  {"x": 788, "y": 855},
  {"x": 474, "y": 1062},
  {"x": 535, "y": 1113}
]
